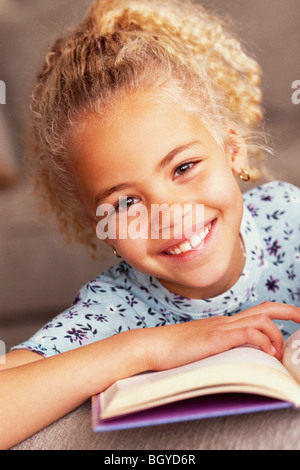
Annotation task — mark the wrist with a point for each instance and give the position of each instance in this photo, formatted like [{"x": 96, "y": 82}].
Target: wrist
[
  {"x": 135, "y": 352},
  {"x": 118, "y": 357}
]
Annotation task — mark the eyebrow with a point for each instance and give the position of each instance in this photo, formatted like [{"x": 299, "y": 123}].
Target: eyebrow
[
  {"x": 105, "y": 194},
  {"x": 162, "y": 164},
  {"x": 169, "y": 157}
]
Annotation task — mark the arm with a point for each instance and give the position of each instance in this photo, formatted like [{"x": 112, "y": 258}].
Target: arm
[
  {"x": 180, "y": 344},
  {"x": 40, "y": 391},
  {"x": 36, "y": 394}
]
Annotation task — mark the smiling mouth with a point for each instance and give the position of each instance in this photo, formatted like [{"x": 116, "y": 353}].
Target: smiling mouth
[{"x": 191, "y": 243}]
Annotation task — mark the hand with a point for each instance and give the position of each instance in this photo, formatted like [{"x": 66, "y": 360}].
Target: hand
[{"x": 174, "y": 345}]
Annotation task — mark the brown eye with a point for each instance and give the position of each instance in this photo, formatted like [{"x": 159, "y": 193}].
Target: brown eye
[
  {"x": 184, "y": 168},
  {"x": 124, "y": 203}
]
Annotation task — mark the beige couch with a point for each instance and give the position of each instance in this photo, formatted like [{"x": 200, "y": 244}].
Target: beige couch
[
  {"x": 54, "y": 272},
  {"x": 269, "y": 430}
]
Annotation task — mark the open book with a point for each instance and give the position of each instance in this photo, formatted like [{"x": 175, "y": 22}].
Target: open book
[{"x": 263, "y": 380}]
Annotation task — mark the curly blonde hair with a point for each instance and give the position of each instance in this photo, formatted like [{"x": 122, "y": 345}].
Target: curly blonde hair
[{"x": 173, "y": 47}]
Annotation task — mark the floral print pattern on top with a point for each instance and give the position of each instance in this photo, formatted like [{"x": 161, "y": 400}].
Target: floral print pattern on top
[{"x": 122, "y": 298}]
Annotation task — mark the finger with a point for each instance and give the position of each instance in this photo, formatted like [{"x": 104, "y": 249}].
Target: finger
[
  {"x": 262, "y": 323},
  {"x": 274, "y": 311},
  {"x": 241, "y": 336}
]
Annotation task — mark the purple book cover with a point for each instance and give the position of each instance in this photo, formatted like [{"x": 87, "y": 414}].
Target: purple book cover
[{"x": 208, "y": 406}]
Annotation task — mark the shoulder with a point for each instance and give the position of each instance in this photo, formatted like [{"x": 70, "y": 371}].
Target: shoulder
[
  {"x": 101, "y": 309},
  {"x": 114, "y": 280},
  {"x": 274, "y": 190},
  {"x": 274, "y": 208},
  {"x": 273, "y": 200}
]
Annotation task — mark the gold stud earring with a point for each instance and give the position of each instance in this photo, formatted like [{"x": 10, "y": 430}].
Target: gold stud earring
[
  {"x": 244, "y": 175},
  {"x": 116, "y": 253}
]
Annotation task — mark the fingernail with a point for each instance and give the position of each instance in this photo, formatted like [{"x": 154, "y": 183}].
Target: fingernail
[{"x": 273, "y": 350}]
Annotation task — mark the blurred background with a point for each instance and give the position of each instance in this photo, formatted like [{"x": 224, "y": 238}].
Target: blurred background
[{"x": 40, "y": 275}]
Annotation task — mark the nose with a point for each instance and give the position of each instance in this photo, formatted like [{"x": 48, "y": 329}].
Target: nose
[
  {"x": 175, "y": 219},
  {"x": 166, "y": 217},
  {"x": 165, "y": 207}
]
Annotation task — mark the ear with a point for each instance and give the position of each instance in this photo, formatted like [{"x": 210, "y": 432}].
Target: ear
[{"x": 236, "y": 149}]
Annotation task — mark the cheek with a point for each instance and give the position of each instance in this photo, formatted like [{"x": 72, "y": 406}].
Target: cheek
[
  {"x": 133, "y": 251},
  {"x": 218, "y": 189},
  {"x": 229, "y": 193},
  {"x": 231, "y": 202},
  {"x": 133, "y": 235}
]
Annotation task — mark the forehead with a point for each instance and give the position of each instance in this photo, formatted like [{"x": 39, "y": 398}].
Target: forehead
[
  {"x": 137, "y": 125},
  {"x": 129, "y": 146}
]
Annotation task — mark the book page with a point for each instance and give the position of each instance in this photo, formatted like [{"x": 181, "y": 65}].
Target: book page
[
  {"x": 244, "y": 368},
  {"x": 240, "y": 355}
]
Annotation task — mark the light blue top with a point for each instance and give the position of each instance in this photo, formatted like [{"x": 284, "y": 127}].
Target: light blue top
[{"x": 122, "y": 298}]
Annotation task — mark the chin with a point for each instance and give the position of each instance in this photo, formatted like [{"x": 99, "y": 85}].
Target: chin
[{"x": 204, "y": 283}]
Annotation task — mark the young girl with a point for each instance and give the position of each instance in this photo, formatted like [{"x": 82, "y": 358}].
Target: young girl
[{"x": 150, "y": 103}]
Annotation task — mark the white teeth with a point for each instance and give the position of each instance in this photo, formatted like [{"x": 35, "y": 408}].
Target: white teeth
[
  {"x": 195, "y": 240},
  {"x": 185, "y": 247},
  {"x": 189, "y": 245}
]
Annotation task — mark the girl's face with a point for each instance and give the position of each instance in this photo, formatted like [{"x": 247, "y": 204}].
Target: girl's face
[{"x": 123, "y": 163}]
